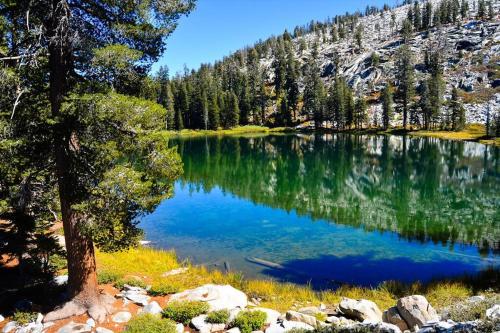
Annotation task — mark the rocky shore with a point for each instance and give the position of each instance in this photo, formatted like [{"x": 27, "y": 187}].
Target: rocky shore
[{"x": 409, "y": 314}]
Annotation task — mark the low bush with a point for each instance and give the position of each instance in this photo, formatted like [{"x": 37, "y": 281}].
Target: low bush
[
  {"x": 131, "y": 282},
  {"x": 183, "y": 312},
  {"x": 218, "y": 317},
  {"x": 249, "y": 321},
  {"x": 162, "y": 289},
  {"x": 148, "y": 323},
  {"x": 468, "y": 311},
  {"x": 106, "y": 277},
  {"x": 23, "y": 318}
]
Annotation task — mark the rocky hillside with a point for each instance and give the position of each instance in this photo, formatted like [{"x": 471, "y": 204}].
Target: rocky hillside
[{"x": 470, "y": 49}]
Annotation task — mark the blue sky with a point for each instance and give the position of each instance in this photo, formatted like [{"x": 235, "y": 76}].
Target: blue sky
[{"x": 219, "y": 27}]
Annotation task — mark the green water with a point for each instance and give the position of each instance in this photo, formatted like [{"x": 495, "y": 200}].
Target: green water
[{"x": 344, "y": 208}]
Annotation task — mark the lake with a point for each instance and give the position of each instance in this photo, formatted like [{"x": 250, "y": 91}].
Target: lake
[{"x": 328, "y": 209}]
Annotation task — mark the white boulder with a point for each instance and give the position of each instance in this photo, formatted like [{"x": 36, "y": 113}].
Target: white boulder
[
  {"x": 218, "y": 297},
  {"x": 360, "y": 309}
]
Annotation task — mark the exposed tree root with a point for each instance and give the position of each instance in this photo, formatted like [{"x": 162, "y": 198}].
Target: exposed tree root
[{"x": 97, "y": 310}]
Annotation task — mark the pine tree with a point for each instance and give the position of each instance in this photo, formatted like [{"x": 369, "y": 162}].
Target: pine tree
[
  {"x": 387, "y": 105},
  {"x": 464, "y": 9},
  {"x": 335, "y": 34},
  {"x": 291, "y": 83},
  {"x": 279, "y": 65},
  {"x": 427, "y": 16},
  {"x": 455, "y": 10},
  {"x": 410, "y": 15},
  {"x": 360, "y": 115},
  {"x": 425, "y": 105},
  {"x": 233, "y": 111},
  {"x": 417, "y": 16},
  {"x": 359, "y": 37},
  {"x": 491, "y": 12},
  {"x": 213, "y": 113},
  {"x": 314, "y": 96},
  {"x": 349, "y": 104},
  {"x": 336, "y": 103},
  {"x": 436, "y": 86},
  {"x": 407, "y": 30},
  {"x": 393, "y": 23},
  {"x": 458, "y": 111},
  {"x": 405, "y": 76},
  {"x": 481, "y": 10},
  {"x": 100, "y": 157}
]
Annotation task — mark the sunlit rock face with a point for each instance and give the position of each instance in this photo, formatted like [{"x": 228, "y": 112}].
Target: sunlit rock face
[{"x": 476, "y": 40}]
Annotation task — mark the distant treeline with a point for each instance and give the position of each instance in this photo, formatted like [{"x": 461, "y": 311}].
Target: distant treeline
[{"x": 238, "y": 91}]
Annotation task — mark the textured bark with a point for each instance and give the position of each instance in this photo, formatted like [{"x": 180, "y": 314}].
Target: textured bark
[{"x": 82, "y": 282}]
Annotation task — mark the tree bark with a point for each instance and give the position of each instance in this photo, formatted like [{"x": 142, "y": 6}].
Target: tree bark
[{"x": 82, "y": 277}]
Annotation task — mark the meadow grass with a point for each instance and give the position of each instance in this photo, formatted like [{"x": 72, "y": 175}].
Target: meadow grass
[
  {"x": 472, "y": 132},
  {"x": 150, "y": 264},
  {"x": 240, "y": 130}
]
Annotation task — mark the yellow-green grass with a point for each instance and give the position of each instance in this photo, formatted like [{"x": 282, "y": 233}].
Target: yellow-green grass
[
  {"x": 473, "y": 132},
  {"x": 150, "y": 264},
  {"x": 240, "y": 130}
]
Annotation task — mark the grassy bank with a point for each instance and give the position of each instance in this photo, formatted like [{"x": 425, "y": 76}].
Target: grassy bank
[
  {"x": 240, "y": 130},
  {"x": 149, "y": 265},
  {"x": 473, "y": 132}
]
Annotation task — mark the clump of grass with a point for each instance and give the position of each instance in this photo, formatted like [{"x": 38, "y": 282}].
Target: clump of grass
[
  {"x": 119, "y": 284},
  {"x": 183, "y": 312},
  {"x": 218, "y": 317},
  {"x": 138, "y": 261},
  {"x": 249, "y": 321},
  {"x": 163, "y": 289},
  {"x": 320, "y": 316},
  {"x": 443, "y": 294},
  {"x": 107, "y": 277},
  {"x": 23, "y": 317},
  {"x": 148, "y": 323}
]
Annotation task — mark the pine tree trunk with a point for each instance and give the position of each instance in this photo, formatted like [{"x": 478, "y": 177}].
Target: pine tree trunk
[{"x": 82, "y": 278}]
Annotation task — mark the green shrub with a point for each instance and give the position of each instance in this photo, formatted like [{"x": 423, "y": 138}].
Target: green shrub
[
  {"x": 107, "y": 277},
  {"x": 23, "y": 318},
  {"x": 218, "y": 317},
  {"x": 183, "y": 312},
  {"x": 131, "y": 282},
  {"x": 249, "y": 321},
  {"x": 148, "y": 323},
  {"x": 162, "y": 290},
  {"x": 320, "y": 316}
]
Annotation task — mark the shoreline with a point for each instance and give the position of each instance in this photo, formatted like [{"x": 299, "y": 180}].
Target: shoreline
[{"x": 471, "y": 133}]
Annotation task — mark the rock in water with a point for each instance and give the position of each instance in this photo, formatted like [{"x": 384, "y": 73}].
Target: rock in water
[
  {"x": 361, "y": 309},
  {"x": 218, "y": 297},
  {"x": 416, "y": 311},
  {"x": 392, "y": 316}
]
